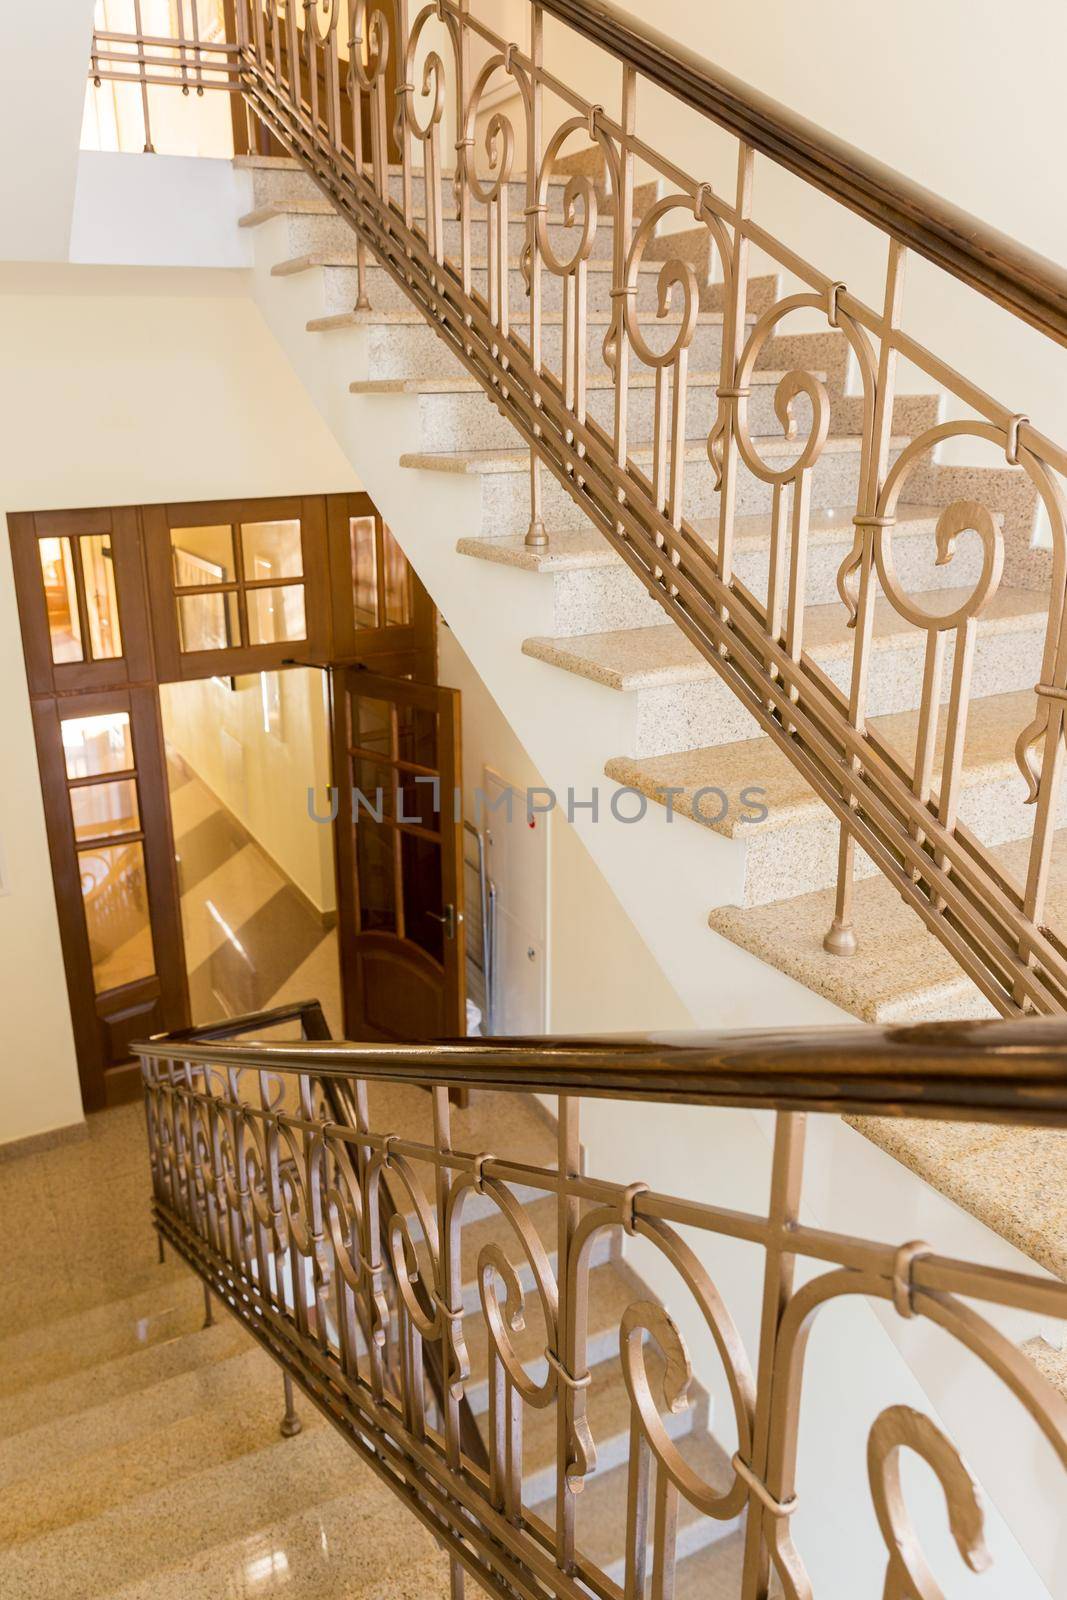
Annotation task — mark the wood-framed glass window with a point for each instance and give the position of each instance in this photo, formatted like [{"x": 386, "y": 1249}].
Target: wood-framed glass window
[
  {"x": 237, "y": 585},
  {"x": 391, "y": 617},
  {"x": 82, "y": 599}
]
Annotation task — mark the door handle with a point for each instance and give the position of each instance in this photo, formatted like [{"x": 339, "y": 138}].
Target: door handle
[{"x": 448, "y": 920}]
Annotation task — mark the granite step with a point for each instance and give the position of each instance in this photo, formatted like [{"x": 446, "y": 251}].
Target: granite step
[
  {"x": 354, "y": 1546},
  {"x": 240, "y": 1421},
  {"x": 600, "y": 1509},
  {"x": 57, "y": 1443},
  {"x": 402, "y": 344},
  {"x": 280, "y": 180},
  {"x": 113, "y": 1379},
  {"x": 504, "y": 479},
  {"x": 593, "y": 591},
  {"x": 327, "y": 232},
  {"x": 792, "y": 848},
  {"x": 682, "y": 704},
  {"x": 900, "y": 971},
  {"x": 173, "y": 1522},
  {"x": 453, "y": 411},
  {"x": 66, "y": 1345},
  {"x": 341, "y": 281}
]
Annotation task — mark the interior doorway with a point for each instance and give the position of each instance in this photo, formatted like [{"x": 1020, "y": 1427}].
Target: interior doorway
[
  {"x": 256, "y": 879},
  {"x": 181, "y": 661}
]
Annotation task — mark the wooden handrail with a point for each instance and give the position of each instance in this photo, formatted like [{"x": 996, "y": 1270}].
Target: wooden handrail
[
  {"x": 1005, "y": 271},
  {"x": 1013, "y": 1070}
]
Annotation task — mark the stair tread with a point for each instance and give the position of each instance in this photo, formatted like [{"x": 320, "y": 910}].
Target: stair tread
[
  {"x": 1049, "y": 1361},
  {"x": 460, "y": 383},
  {"x": 899, "y": 967},
  {"x": 574, "y": 549},
  {"x": 508, "y": 460},
  {"x": 66, "y": 1344},
  {"x": 131, "y": 1542},
  {"x": 124, "y": 1374},
  {"x": 1012, "y": 1179},
  {"x": 519, "y": 319},
  {"x": 242, "y": 1419},
  {"x": 55, "y": 1442},
  {"x": 610, "y": 1293},
  {"x": 334, "y": 256},
  {"x": 993, "y": 724},
  {"x": 354, "y": 1546},
  {"x": 653, "y": 658},
  {"x": 600, "y": 1513}
]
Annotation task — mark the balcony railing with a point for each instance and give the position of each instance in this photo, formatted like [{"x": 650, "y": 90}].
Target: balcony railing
[
  {"x": 339, "y": 1244},
  {"x": 362, "y": 96}
]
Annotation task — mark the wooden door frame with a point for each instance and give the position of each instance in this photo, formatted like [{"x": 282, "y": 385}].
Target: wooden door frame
[
  {"x": 345, "y": 681},
  {"x": 147, "y": 619}
]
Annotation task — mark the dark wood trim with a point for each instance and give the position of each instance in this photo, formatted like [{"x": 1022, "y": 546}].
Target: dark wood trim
[
  {"x": 1002, "y": 1070},
  {"x": 140, "y": 538},
  {"x": 998, "y": 266}
]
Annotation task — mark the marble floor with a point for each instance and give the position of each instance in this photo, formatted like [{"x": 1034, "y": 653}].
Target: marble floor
[{"x": 251, "y": 939}]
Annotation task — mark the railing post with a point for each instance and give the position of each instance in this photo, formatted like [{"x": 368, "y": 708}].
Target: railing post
[
  {"x": 568, "y": 1210},
  {"x": 536, "y": 534},
  {"x": 840, "y": 938},
  {"x": 787, "y": 1172},
  {"x": 290, "y": 1424}
]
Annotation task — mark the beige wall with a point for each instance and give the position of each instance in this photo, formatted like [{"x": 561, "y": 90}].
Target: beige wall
[
  {"x": 601, "y": 975},
  {"x": 118, "y": 387},
  {"x": 263, "y": 776}
]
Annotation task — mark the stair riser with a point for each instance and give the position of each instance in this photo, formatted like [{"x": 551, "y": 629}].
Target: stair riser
[
  {"x": 273, "y": 184},
  {"x": 416, "y": 350},
  {"x": 603, "y": 599},
  {"x": 612, "y": 1451},
  {"x": 691, "y": 715},
  {"x": 517, "y": 195},
  {"x": 784, "y": 862},
  {"x": 451, "y": 421},
  {"x": 506, "y": 497},
  {"x": 603, "y": 1346},
  {"x": 342, "y": 289},
  {"x": 315, "y": 233},
  {"x": 692, "y": 1538}
]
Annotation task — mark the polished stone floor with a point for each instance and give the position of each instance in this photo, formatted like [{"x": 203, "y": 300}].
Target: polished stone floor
[{"x": 251, "y": 939}]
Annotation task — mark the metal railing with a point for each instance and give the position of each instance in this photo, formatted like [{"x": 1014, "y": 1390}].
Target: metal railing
[
  {"x": 338, "y": 1243},
  {"x": 329, "y": 94},
  {"x": 199, "y": 54}
]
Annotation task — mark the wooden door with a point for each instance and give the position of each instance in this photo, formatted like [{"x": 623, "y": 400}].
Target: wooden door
[
  {"x": 399, "y": 856},
  {"x": 84, "y": 614}
]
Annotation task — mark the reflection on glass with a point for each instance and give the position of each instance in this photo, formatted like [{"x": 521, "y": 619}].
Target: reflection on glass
[
  {"x": 275, "y": 615},
  {"x": 271, "y": 550},
  {"x": 101, "y": 601},
  {"x": 377, "y": 786},
  {"x": 417, "y": 736},
  {"x": 115, "y": 897},
  {"x": 421, "y": 866},
  {"x": 61, "y": 598},
  {"x": 376, "y": 876},
  {"x": 372, "y": 724},
  {"x": 202, "y": 555},
  {"x": 96, "y": 745},
  {"x": 102, "y": 809},
  {"x": 207, "y": 621},
  {"x": 364, "y": 571},
  {"x": 419, "y": 800},
  {"x": 397, "y": 581}
]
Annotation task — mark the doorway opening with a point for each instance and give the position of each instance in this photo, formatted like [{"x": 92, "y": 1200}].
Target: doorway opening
[
  {"x": 256, "y": 881},
  {"x": 195, "y": 672}
]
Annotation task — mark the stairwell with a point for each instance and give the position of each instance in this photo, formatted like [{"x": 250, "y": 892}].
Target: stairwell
[
  {"x": 140, "y": 1454},
  {"x": 611, "y": 670}
]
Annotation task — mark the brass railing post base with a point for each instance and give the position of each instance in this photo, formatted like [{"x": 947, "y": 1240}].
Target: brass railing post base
[
  {"x": 209, "y": 1310},
  {"x": 536, "y": 537},
  {"x": 840, "y": 939}
]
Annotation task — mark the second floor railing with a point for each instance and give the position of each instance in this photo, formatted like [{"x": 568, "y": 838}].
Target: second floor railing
[
  {"x": 398, "y": 119},
  {"x": 339, "y": 1240}
]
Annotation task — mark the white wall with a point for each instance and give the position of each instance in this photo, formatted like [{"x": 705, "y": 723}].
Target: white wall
[
  {"x": 118, "y": 387},
  {"x": 44, "y": 66},
  {"x": 602, "y": 977}
]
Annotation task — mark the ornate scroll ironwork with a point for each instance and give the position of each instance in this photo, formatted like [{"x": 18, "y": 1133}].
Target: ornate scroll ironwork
[{"x": 340, "y": 1246}]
